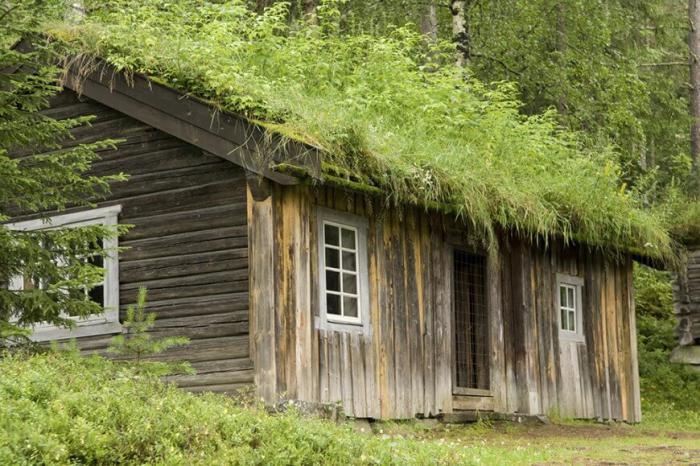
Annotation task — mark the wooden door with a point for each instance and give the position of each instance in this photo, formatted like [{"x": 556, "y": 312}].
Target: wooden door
[
  {"x": 575, "y": 397},
  {"x": 470, "y": 373}
]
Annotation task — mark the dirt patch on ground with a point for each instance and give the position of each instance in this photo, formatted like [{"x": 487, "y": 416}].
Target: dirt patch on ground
[{"x": 590, "y": 431}]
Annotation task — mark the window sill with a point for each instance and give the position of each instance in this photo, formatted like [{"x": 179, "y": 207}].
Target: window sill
[
  {"x": 342, "y": 327},
  {"x": 80, "y": 330},
  {"x": 572, "y": 338}
]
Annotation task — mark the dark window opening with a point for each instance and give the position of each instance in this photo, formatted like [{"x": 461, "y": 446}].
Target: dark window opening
[{"x": 471, "y": 323}]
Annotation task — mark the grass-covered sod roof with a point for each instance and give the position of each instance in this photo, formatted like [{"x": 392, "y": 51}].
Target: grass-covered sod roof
[{"x": 393, "y": 111}]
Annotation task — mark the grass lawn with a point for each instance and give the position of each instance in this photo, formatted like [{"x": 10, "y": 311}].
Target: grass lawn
[{"x": 560, "y": 443}]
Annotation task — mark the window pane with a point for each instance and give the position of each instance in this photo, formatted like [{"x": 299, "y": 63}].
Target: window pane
[
  {"x": 349, "y": 306},
  {"x": 572, "y": 301},
  {"x": 331, "y": 235},
  {"x": 348, "y": 238},
  {"x": 350, "y": 283},
  {"x": 97, "y": 261},
  {"x": 562, "y": 296},
  {"x": 332, "y": 280},
  {"x": 564, "y": 325},
  {"x": 332, "y": 258},
  {"x": 349, "y": 262},
  {"x": 97, "y": 294},
  {"x": 333, "y": 304},
  {"x": 572, "y": 321}
]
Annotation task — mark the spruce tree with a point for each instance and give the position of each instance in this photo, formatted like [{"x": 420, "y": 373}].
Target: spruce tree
[
  {"x": 40, "y": 171},
  {"x": 138, "y": 343}
]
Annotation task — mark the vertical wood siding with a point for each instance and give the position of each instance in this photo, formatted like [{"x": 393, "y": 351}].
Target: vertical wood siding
[
  {"x": 189, "y": 243},
  {"x": 402, "y": 368},
  {"x": 597, "y": 378}
]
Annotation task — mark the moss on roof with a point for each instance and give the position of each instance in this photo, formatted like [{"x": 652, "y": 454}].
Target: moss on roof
[{"x": 392, "y": 111}]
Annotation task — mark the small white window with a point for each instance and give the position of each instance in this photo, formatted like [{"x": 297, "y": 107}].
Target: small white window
[
  {"x": 105, "y": 293},
  {"x": 569, "y": 303},
  {"x": 343, "y": 269},
  {"x": 567, "y": 307}
]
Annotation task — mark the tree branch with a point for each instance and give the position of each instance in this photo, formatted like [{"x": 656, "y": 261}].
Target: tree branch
[{"x": 496, "y": 60}]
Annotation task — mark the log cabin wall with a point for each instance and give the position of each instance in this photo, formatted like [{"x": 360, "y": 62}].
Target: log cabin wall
[
  {"x": 402, "y": 367},
  {"x": 686, "y": 294},
  {"x": 545, "y": 374},
  {"x": 687, "y": 301},
  {"x": 188, "y": 246}
]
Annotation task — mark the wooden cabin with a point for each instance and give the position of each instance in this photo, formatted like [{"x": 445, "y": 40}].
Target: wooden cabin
[
  {"x": 686, "y": 294},
  {"x": 312, "y": 290}
]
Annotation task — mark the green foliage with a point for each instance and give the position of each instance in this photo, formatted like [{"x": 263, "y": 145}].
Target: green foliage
[
  {"x": 685, "y": 219},
  {"x": 664, "y": 385},
  {"x": 38, "y": 174},
  {"x": 61, "y": 409},
  {"x": 615, "y": 70},
  {"x": 138, "y": 343},
  {"x": 669, "y": 416},
  {"x": 393, "y": 111}
]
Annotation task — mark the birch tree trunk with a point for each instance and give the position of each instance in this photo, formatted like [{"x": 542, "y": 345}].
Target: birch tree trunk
[
  {"x": 561, "y": 52},
  {"x": 429, "y": 21},
  {"x": 460, "y": 30},
  {"x": 694, "y": 49}
]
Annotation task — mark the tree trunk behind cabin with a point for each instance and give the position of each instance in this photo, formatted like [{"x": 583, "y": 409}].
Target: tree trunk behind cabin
[
  {"x": 561, "y": 52},
  {"x": 310, "y": 11},
  {"x": 429, "y": 21},
  {"x": 694, "y": 49},
  {"x": 460, "y": 30},
  {"x": 260, "y": 5}
]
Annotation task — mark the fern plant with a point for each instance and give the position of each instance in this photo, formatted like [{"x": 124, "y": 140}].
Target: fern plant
[{"x": 137, "y": 343}]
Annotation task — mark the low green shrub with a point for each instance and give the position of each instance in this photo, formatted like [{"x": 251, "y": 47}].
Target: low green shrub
[{"x": 58, "y": 408}]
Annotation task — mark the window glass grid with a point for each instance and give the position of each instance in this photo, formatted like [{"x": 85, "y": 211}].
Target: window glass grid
[
  {"x": 568, "y": 308},
  {"x": 342, "y": 281}
]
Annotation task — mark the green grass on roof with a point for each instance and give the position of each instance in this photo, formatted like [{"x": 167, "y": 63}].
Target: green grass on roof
[
  {"x": 394, "y": 111},
  {"x": 683, "y": 215}
]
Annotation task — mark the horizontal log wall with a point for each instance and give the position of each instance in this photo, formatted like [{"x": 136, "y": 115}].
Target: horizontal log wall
[
  {"x": 189, "y": 243},
  {"x": 687, "y": 299},
  {"x": 403, "y": 367}
]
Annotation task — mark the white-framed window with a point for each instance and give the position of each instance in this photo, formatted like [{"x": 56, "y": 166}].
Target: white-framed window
[
  {"x": 570, "y": 306},
  {"x": 105, "y": 293},
  {"x": 568, "y": 309},
  {"x": 343, "y": 284}
]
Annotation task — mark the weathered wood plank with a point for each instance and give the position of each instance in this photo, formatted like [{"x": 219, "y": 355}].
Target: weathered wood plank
[
  {"x": 472, "y": 403},
  {"x": 262, "y": 301},
  {"x": 357, "y": 374},
  {"x": 636, "y": 408},
  {"x": 425, "y": 295},
  {"x": 497, "y": 381},
  {"x": 347, "y": 382},
  {"x": 203, "y": 218},
  {"x": 442, "y": 299}
]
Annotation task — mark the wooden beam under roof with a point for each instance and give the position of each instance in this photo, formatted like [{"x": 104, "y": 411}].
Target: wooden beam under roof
[{"x": 192, "y": 120}]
